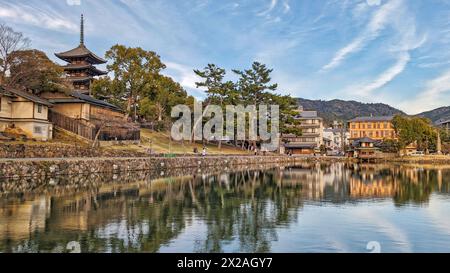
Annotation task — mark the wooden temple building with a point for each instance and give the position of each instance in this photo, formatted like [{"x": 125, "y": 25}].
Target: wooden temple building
[{"x": 80, "y": 113}]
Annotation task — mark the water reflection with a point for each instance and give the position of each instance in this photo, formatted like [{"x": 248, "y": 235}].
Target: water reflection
[{"x": 240, "y": 211}]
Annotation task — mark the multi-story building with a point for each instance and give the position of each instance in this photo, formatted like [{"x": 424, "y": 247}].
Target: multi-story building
[
  {"x": 377, "y": 128},
  {"x": 336, "y": 138},
  {"x": 311, "y": 139}
]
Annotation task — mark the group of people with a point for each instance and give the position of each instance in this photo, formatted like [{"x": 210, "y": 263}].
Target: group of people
[{"x": 204, "y": 151}]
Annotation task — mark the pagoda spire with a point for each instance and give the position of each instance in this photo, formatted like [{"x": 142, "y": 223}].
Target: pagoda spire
[{"x": 82, "y": 30}]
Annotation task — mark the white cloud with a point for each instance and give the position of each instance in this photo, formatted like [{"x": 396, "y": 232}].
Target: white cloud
[
  {"x": 377, "y": 23},
  {"x": 36, "y": 17},
  {"x": 73, "y": 2},
  {"x": 185, "y": 76},
  {"x": 286, "y": 7},
  {"x": 436, "y": 92},
  {"x": 373, "y": 2}
]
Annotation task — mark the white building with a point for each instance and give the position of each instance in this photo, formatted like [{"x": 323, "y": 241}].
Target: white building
[{"x": 336, "y": 138}]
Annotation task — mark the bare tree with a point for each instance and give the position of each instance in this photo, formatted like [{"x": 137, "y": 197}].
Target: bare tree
[{"x": 10, "y": 42}]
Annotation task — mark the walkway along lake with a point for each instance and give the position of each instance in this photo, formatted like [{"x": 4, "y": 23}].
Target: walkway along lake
[{"x": 320, "y": 207}]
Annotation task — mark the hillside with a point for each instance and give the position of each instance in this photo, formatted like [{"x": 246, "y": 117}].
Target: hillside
[
  {"x": 437, "y": 114},
  {"x": 346, "y": 110},
  {"x": 159, "y": 142}
]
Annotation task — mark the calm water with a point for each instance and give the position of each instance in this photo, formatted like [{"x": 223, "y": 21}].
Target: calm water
[{"x": 305, "y": 208}]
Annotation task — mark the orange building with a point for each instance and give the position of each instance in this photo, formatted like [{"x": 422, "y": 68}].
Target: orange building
[{"x": 377, "y": 128}]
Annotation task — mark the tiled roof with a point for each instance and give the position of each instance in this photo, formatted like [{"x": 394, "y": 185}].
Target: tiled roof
[
  {"x": 371, "y": 119},
  {"x": 80, "y": 51},
  {"x": 79, "y": 79},
  {"x": 366, "y": 140},
  {"x": 27, "y": 95},
  {"x": 300, "y": 145},
  {"x": 94, "y": 101},
  {"x": 85, "y": 66}
]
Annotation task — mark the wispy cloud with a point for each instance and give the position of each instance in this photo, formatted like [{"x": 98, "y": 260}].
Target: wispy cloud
[
  {"x": 436, "y": 91},
  {"x": 73, "y": 2},
  {"x": 378, "y": 41},
  {"x": 37, "y": 17},
  {"x": 377, "y": 23},
  {"x": 272, "y": 5},
  {"x": 387, "y": 76},
  {"x": 286, "y": 6},
  {"x": 373, "y": 2}
]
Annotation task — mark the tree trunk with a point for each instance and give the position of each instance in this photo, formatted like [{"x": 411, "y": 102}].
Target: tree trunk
[{"x": 97, "y": 135}]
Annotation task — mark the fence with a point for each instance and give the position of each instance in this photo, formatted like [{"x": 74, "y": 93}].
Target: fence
[
  {"x": 72, "y": 125},
  {"x": 108, "y": 133}
]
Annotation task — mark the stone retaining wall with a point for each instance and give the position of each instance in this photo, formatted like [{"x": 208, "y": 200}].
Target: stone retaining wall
[
  {"x": 58, "y": 167},
  {"x": 57, "y": 150}
]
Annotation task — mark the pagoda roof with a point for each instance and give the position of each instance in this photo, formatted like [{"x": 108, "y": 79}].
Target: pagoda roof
[
  {"x": 80, "y": 52},
  {"x": 79, "y": 79},
  {"x": 84, "y": 66}
]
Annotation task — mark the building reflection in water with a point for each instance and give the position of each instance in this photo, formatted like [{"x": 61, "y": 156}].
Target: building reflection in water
[{"x": 248, "y": 206}]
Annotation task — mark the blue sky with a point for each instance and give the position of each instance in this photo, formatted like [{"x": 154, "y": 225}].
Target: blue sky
[{"x": 391, "y": 51}]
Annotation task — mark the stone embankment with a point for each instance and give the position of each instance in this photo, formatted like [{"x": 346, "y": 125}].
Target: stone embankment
[
  {"x": 428, "y": 159},
  {"x": 17, "y": 168},
  {"x": 58, "y": 150}
]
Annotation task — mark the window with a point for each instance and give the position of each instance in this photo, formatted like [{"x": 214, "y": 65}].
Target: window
[
  {"x": 37, "y": 130},
  {"x": 353, "y": 126},
  {"x": 369, "y": 126},
  {"x": 39, "y": 109},
  {"x": 385, "y": 125}
]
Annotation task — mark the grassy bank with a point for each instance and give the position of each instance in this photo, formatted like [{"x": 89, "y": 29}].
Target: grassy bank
[
  {"x": 156, "y": 142},
  {"x": 159, "y": 142}
]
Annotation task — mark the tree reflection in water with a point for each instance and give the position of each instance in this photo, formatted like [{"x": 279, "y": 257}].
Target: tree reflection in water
[{"x": 247, "y": 207}]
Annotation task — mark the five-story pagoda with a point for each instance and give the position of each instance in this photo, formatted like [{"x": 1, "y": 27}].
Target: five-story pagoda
[{"x": 81, "y": 68}]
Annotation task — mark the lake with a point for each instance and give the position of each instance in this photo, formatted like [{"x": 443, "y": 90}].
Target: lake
[{"x": 336, "y": 207}]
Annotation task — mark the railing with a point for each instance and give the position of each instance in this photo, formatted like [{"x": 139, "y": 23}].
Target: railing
[{"x": 72, "y": 125}]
